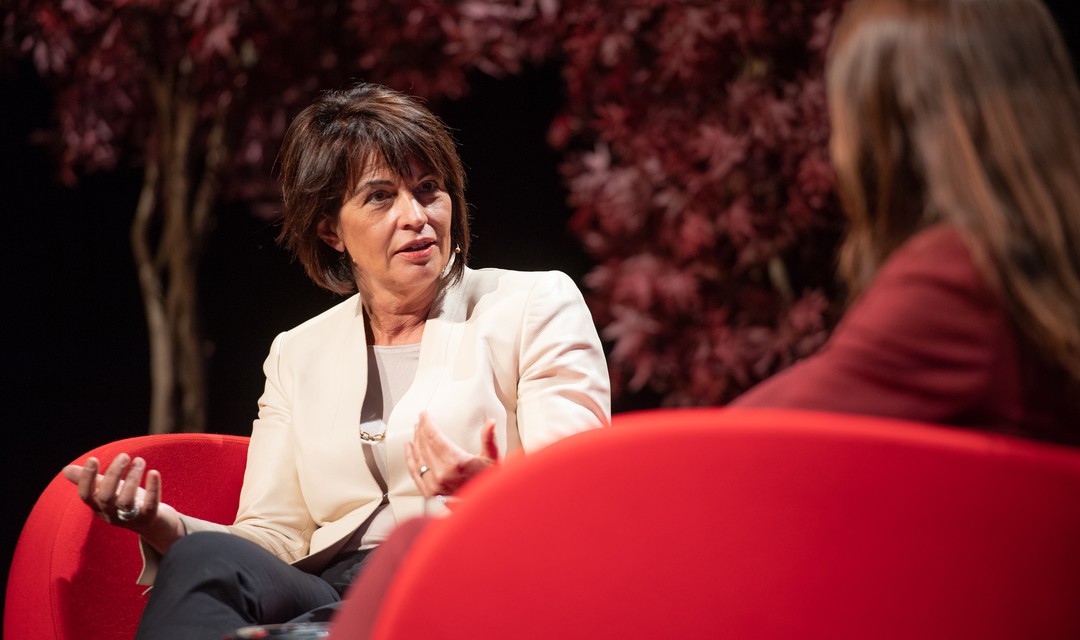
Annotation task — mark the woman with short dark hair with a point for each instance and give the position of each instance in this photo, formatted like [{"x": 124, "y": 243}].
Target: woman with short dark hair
[
  {"x": 325, "y": 152},
  {"x": 378, "y": 410}
]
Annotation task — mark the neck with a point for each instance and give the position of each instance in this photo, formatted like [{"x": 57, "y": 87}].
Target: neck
[
  {"x": 387, "y": 329},
  {"x": 393, "y": 321}
]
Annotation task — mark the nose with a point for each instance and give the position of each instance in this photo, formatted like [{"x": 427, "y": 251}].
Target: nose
[{"x": 410, "y": 211}]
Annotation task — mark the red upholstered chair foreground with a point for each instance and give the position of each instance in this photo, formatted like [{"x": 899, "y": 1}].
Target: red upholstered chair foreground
[
  {"x": 710, "y": 523},
  {"x": 73, "y": 575}
]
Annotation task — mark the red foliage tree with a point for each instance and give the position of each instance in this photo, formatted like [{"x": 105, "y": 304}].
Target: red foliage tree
[
  {"x": 696, "y": 160},
  {"x": 198, "y": 93},
  {"x": 695, "y": 140}
]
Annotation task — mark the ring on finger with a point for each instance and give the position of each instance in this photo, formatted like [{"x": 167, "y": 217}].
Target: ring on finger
[
  {"x": 423, "y": 469},
  {"x": 125, "y": 515}
]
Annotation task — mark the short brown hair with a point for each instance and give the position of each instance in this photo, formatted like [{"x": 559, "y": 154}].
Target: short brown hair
[{"x": 325, "y": 152}]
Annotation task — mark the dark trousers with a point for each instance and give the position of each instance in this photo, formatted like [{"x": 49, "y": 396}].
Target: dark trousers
[
  {"x": 210, "y": 584},
  {"x": 364, "y": 599}
]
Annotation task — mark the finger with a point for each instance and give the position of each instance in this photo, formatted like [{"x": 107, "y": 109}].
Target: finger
[
  {"x": 108, "y": 485},
  {"x": 433, "y": 447},
  {"x": 426, "y": 446},
  {"x": 428, "y": 434},
  {"x": 421, "y": 447},
  {"x": 88, "y": 483},
  {"x": 487, "y": 441},
  {"x": 151, "y": 498},
  {"x": 125, "y": 498},
  {"x": 72, "y": 472},
  {"x": 414, "y": 469},
  {"x": 412, "y": 464},
  {"x": 424, "y": 427}
]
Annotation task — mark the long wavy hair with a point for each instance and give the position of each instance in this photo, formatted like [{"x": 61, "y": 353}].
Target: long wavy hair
[{"x": 965, "y": 112}]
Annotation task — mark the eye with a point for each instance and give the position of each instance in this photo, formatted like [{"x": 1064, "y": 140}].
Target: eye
[
  {"x": 377, "y": 196},
  {"x": 428, "y": 186}
]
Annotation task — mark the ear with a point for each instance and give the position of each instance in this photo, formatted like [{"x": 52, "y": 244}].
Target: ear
[{"x": 328, "y": 233}]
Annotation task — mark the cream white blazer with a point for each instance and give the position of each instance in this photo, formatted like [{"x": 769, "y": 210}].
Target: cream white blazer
[{"x": 519, "y": 347}]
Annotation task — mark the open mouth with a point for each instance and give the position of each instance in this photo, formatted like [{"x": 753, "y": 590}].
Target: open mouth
[{"x": 417, "y": 246}]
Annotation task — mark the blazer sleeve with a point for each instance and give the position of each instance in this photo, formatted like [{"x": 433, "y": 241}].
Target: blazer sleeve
[
  {"x": 272, "y": 512},
  {"x": 563, "y": 384},
  {"x": 924, "y": 342}
]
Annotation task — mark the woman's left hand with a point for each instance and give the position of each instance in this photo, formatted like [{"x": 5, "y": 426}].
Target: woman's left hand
[{"x": 438, "y": 466}]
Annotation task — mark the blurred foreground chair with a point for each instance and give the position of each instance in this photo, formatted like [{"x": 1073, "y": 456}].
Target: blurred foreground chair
[
  {"x": 713, "y": 523},
  {"x": 73, "y": 575}
]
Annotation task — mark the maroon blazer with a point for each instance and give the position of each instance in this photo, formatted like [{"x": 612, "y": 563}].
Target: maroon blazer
[{"x": 929, "y": 340}]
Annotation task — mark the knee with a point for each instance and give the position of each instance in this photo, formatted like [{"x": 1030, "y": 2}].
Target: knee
[{"x": 208, "y": 551}]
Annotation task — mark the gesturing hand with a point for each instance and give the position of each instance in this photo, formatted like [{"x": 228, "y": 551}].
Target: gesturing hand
[
  {"x": 118, "y": 499},
  {"x": 438, "y": 466}
]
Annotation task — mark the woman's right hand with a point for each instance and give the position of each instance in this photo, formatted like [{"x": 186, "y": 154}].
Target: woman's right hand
[{"x": 117, "y": 493}]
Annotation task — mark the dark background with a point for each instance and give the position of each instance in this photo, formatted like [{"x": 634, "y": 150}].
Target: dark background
[{"x": 72, "y": 331}]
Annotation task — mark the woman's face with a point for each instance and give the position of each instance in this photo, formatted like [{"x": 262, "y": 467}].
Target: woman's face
[{"x": 397, "y": 231}]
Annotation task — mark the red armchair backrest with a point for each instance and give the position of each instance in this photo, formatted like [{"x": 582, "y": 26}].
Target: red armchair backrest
[
  {"x": 708, "y": 523},
  {"x": 73, "y": 575}
]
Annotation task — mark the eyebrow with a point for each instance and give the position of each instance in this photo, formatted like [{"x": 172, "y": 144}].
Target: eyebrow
[
  {"x": 383, "y": 182},
  {"x": 374, "y": 183},
  {"x": 370, "y": 183}
]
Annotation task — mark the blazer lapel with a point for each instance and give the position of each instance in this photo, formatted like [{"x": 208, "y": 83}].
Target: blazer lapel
[
  {"x": 441, "y": 331},
  {"x": 351, "y": 374}
]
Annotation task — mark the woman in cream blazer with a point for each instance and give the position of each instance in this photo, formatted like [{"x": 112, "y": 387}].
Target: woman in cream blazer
[
  {"x": 377, "y": 410},
  {"x": 516, "y": 347}
]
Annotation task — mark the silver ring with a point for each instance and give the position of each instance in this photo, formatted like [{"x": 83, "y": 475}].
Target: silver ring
[
  {"x": 423, "y": 470},
  {"x": 124, "y": 515}
]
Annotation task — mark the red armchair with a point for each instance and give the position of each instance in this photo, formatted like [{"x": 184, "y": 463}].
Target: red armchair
[
  {"x": 73, "y": 575},
  {"x": 706, "y": 523}
]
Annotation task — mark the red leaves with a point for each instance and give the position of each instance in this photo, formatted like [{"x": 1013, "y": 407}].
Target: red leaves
[
  {"x": 697, "y": 165},
  {"x": 719, "y": 150},
  {"x": 117, "y": 65},
  {"x": 695, "y": 138}
]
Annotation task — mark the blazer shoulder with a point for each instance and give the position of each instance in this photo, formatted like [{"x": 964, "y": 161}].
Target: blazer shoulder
[
  {"x": 340, "y": 316},
  {"x": 487, "y": 279},
  {"x": 505, "y": 293}
]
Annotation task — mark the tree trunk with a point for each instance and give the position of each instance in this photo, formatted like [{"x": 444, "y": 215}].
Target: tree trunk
[
  {"x": 167, "y": 236},
  {"x": 157, "y": 321}
]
